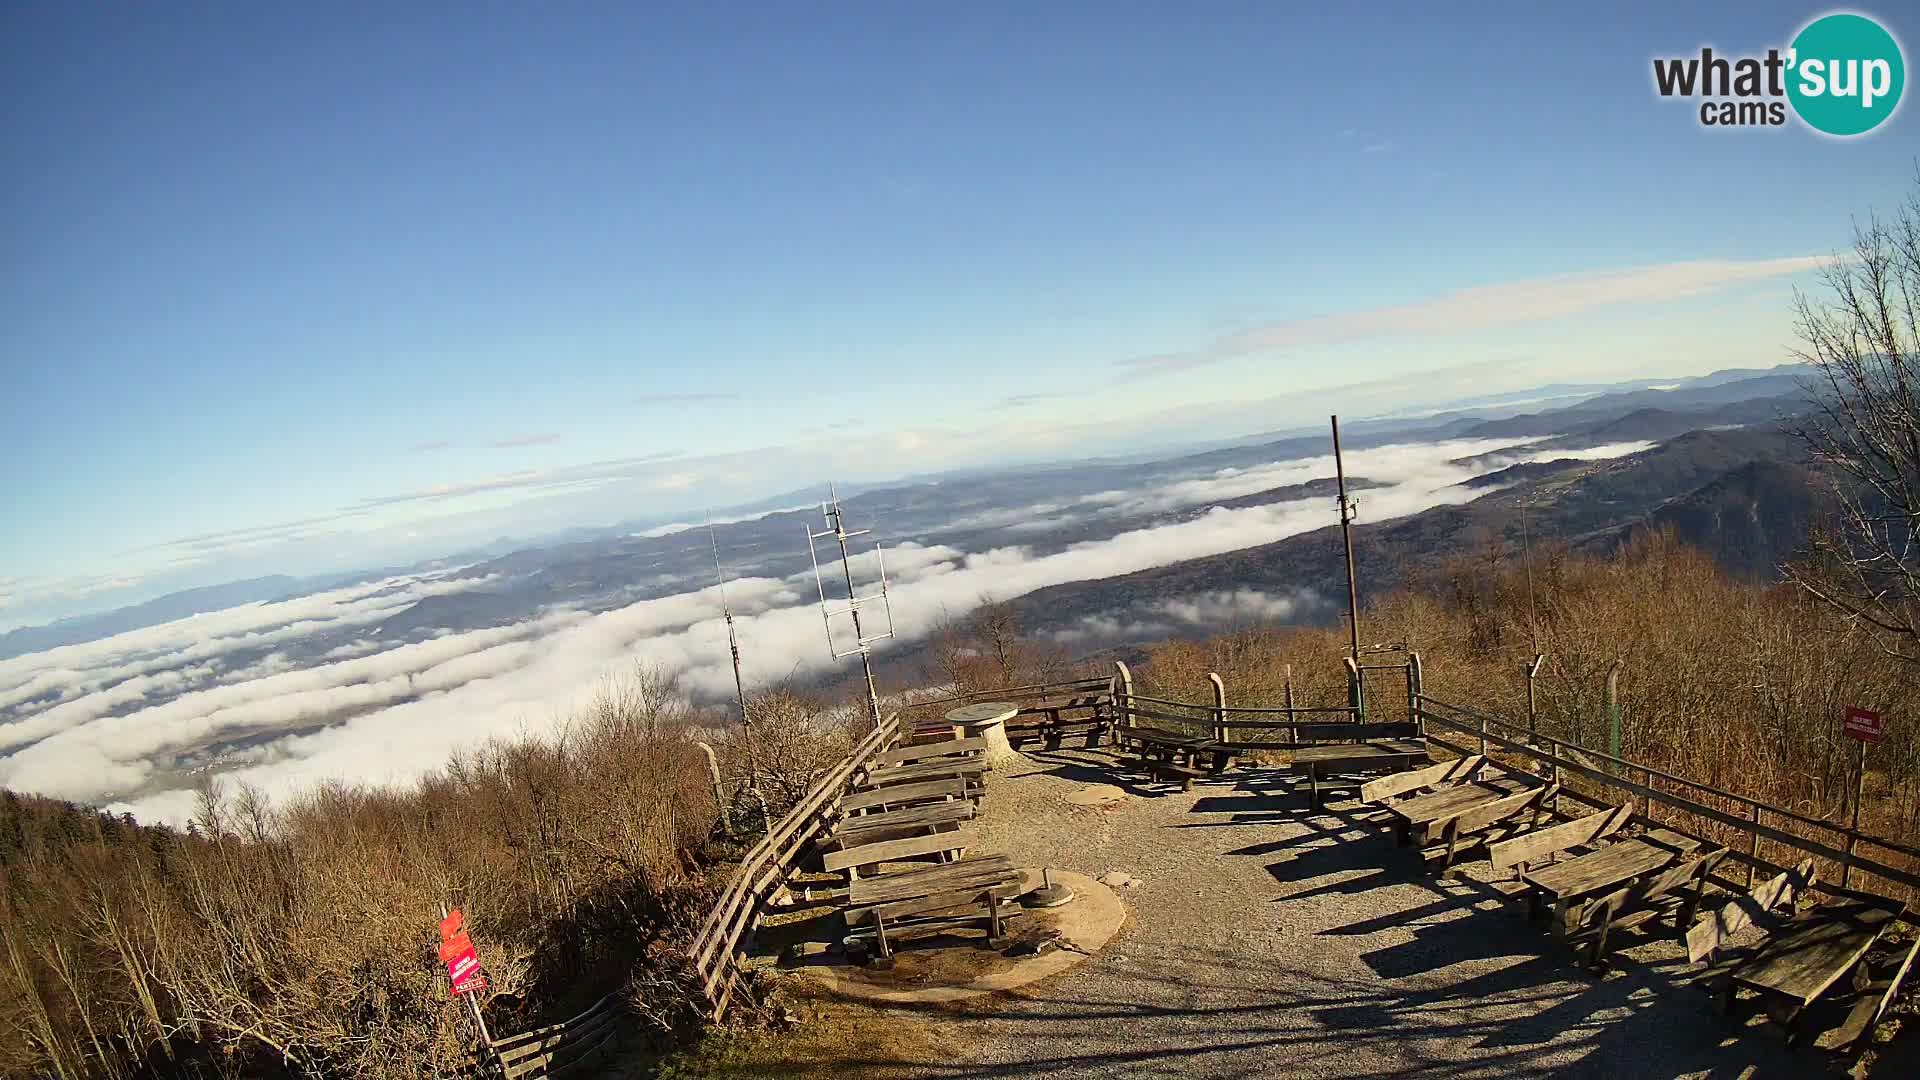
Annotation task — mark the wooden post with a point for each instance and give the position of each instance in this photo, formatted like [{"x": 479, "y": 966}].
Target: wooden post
[
  {"x": 1293, "y": 729},
  {"x": 1220, "y": 732},
  {"x": 1416, "y": 676},
  {"x": 1753, "y": 847},
  {"x": 1613, "y": 715},
  {"x": 719, "y": 792},
  {"x": 1853, "y": 834},
  {"x": 1483, "y": 735},
  {"x": 1122, "y": 694},
  {"x": 1533, "y": 702},
  {"x": 1356, "y": 691}
]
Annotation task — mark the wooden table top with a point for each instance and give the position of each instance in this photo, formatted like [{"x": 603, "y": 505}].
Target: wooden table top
[
  {"x": 1378, "y": 750},
  {"x": 983, "y": 712},
  {"x": 1449, "y": 802},
  {"x": 1611, "y": 865},
  {"x": 1815, "y": 950}
]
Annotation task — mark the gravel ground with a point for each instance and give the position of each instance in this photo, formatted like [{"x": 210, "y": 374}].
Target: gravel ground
[{"x": 1268, "y": 940}]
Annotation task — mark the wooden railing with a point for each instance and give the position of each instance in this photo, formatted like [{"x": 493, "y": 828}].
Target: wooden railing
[
  {"x": 556, "y": 1050},
  {"x": 718, "y": 948}
]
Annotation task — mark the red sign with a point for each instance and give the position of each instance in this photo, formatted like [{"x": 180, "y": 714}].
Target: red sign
[
  {"x": 456, "y": 951},
  {"x": 1865, "y": 725}
]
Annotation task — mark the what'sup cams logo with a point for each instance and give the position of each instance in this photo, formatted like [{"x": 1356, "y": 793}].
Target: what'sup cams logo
[{"x": 1842, "y": 76}]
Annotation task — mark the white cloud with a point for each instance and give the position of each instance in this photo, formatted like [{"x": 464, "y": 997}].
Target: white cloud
[{"x": 1487, "y": 306}]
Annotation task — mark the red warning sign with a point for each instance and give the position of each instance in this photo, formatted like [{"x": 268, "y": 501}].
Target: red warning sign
[
  {"x": 456, "y": 951},
  {"x": 1864, "y": 724}
]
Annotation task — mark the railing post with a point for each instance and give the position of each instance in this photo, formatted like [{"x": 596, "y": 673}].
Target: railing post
[
  {"x": 1356, "y": 693},
  {"x": 1293, "y": 726},
  {"x": 1753, "y": 847},
  {"x": 1122, "y": 694},
  {"x": 1613, "y": 715},
  {"x": 1415, "y": 684},
  {"x": 719, "y": 793},
  {"x": 1483, "y": 734},
  {"x": 1853, "y": 834},
  {"x": 1533, "y": 702},
  {"x": 1220, "y": 733}
]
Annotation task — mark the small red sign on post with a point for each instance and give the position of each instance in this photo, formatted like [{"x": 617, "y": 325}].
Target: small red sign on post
[
  {"x": 1864, "y": 724},
  {"x": 456, "y": 951}
]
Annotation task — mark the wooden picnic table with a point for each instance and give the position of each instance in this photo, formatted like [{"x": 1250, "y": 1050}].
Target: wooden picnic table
[
  {"x": 1809, "y": 955},
  {"x": 1569, "y": 884},
  {"x": 1424, "y": 813},
  {"x": 1380, "y": 755}
]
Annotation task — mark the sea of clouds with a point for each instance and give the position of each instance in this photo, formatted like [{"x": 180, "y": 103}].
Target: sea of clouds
[{"x": 121, "y": 721}]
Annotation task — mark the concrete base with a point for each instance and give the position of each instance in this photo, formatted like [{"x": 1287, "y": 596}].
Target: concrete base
[
  {"x": 924, "y": 971},
  {"x": 999, "y": 753}
]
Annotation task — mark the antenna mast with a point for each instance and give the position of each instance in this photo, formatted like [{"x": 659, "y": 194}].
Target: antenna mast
[
  {"x": 1347, "y": 511},
  {"x": 863, "y": 643},
  {"x": 733, "y": 639}
]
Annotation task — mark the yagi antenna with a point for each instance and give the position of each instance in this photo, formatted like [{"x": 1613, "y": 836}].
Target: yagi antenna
[
  {"x": 862, "y": 641},
  {"x": 733, "y": 639}
]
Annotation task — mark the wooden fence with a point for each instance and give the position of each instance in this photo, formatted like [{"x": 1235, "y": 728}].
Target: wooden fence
[
  {"x": 717, "y": 950},
  {"x": 568, "y": 1048}
]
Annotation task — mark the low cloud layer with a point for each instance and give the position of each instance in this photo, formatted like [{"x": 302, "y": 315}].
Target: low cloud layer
[{"x": 79, "y": 728}]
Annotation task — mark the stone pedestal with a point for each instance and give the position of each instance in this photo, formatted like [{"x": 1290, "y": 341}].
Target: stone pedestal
[{"x": 986, "y": 720}]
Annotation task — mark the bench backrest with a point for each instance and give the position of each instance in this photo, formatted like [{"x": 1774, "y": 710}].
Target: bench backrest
[
  {"x": 890, "y": 850},
  {"x": 906, "y": 794}
]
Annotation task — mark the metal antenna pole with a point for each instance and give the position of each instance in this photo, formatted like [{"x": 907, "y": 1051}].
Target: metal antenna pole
[
  {"x": 863, "y": 643},
  {"x": 1346, "y": 535},
  {"x": 733, "y": 639}
]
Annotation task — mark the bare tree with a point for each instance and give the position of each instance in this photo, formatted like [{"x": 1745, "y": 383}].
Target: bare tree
[{"x": 1863, "y": 339}]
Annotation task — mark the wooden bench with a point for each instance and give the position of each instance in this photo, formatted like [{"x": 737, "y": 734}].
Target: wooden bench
[
  {"x": 903, "y": 755},
  {"x": 1516, "y": 852},
  {"x": 1174, "y": 747},
  {"x": 931, "y": 900},
  {"x": 1808, "y": 956},
  {"x": 1322, "y": 763},
  {"x": 1677, "y": 890},
  {"x": 927, "y": 817},
  {"x": 1488, "y": 823},
  {"x": 936, "y": 845},
  {"x": 1459, "y": 770},
  {"x": 897, "y": 796},
  {"x": 1706, "y": 938},
  {"x": 1050, "y": 720},
  {"x": 1571, "y": 885},
  {"x": 1415, "y": 819},
  {"x": 934, "y": 769},
  {"x": 1871, "y": 1003}
]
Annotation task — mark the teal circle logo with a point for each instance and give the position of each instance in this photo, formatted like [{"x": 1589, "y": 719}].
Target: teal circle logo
[{"x": 1845, "y": 74}]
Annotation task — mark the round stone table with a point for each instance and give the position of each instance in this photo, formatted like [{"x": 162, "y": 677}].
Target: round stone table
[{"x": 987, "y": 720}]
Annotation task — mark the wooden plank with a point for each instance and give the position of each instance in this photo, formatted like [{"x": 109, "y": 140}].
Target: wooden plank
[
  {"x": 1706, "y": 937},
  {"x": 1646, "y": 899},
  {"x": 1871, "y": 1005},
  {"x": 905, "y": 848},
  {"x": 1557, "y": 838},
  {"x": 1455, "y": 771},
  {"x": 1813, "y": 951},
  {"x": 920, "y": 751},
  {"x": 898, "y": 795},
  {"x": 936, "y": 925},
  {"x": 975, "y": 871}
]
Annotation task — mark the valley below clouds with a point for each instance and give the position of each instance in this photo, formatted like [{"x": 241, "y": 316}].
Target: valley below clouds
[{"x": 379, "y": 680}]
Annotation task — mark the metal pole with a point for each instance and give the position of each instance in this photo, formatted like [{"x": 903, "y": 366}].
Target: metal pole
[
  {"x": 733, "y": 639},
  {"x": 853, "y": 609},
  {"x": 1346, "y": 536}
]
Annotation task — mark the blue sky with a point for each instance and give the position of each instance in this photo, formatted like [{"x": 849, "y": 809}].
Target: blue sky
[{"x": 375, "y": 281}]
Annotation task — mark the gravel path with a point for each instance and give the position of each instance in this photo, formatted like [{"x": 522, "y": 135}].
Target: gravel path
[{"x": 1267, "y": 940}]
